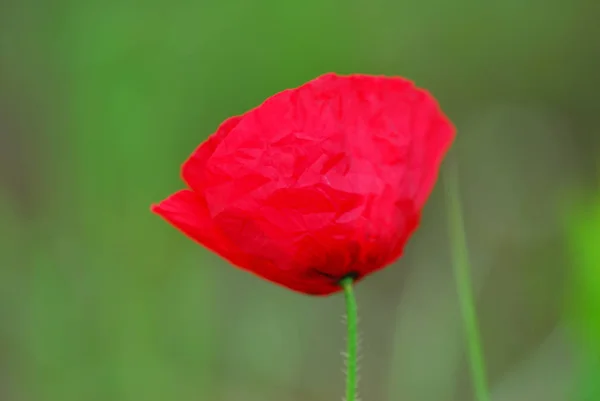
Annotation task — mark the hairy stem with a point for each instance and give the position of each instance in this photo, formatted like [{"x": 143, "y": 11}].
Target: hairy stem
[{"x": 352, "y": 339}]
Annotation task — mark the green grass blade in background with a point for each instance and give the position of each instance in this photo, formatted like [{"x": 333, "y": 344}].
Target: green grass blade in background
[
  {"x": 462, "y": 271},
  {"x": 584, "y": 302}
]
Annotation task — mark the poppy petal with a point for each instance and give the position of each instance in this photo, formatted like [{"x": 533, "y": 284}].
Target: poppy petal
[
  {"x": 193, "y": 170},
  {"x": 187, "y": 212}
]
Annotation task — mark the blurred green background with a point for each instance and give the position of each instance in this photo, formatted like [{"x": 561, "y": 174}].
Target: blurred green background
[{"x": 100, "y": 103}]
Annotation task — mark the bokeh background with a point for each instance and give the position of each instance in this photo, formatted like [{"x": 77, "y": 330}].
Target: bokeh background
[{"x": 101, "y": 101}]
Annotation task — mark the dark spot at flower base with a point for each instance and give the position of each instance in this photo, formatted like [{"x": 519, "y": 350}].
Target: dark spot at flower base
[
  {"x": 354, "y": 275},
  {"x": 313, "y": 272}
]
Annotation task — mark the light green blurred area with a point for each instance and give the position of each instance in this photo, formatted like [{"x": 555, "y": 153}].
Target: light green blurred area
[{"x": 100, "y": 103}]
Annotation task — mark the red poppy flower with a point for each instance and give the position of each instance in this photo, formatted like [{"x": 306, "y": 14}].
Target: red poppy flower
[{"x": 318, "y": 183}]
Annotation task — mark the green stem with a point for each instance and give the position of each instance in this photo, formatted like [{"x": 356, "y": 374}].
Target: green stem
[
  {"x": 462, "y": 274},
  {"x": 352, "y": 340}
]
